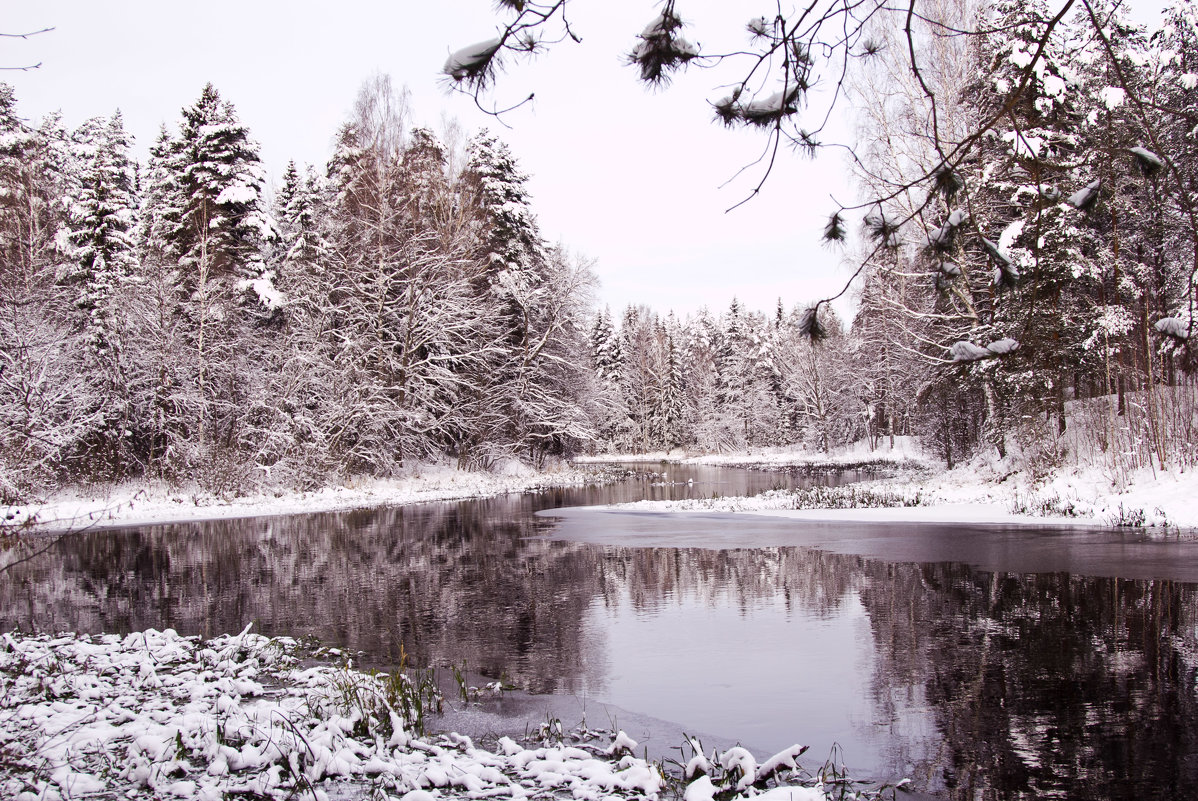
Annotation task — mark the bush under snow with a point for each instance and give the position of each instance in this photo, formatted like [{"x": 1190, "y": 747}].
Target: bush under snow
[{"x": 155, "y": 714}]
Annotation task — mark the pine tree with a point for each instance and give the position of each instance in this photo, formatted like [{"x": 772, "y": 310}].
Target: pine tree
[
  {"x": 224, "y": 223},
  {"x": 205, "y": 227},
  {"x": 18, "y": 144},
  {"x": 539, "y": 295},
  {"x": 102, "y": 220}
]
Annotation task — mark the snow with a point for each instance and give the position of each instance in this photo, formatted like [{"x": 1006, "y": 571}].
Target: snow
[
  {"x": 905, "y": 451},
  {"x": 968, "y": 352},
  {"x": 998, "y": 250},
  {"x": 244, "y": 715},
  {"x": 945, "y": 233},
  {"x": 661, "y": 25},
  {"x": 462, "y": 63},
  {"x": 1147, "y": 158},
  {"x": 1020, "y": 57},
  {"x": 1054, "y": 86},
  {"x": 238, "y": 194},
  {"x": 264, "y": 287},
  {"x": 1172, "y": 326},
  {"x": 1084, "y": 197},
  {"x": 1024, "y": 145},
  {"x": 1002, "y": 346},
  {"x": 984, "y": 491},
  {"x": 772, "y": 106},
  {"x": 141, "y": 503},
  {"x": 1112, "y": 97}
]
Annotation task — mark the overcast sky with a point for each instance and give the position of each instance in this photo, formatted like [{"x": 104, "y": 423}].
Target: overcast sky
[{"x": 634, "y": 180}]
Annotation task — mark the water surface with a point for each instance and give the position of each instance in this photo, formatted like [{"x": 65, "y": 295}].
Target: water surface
[{"x": 983, "y": 662}]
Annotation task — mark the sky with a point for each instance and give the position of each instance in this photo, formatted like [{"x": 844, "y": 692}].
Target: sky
[{"x": 638, "y": 182}]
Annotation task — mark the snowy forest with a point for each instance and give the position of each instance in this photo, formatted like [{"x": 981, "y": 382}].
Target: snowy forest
[{"x": 175, "y": 319}]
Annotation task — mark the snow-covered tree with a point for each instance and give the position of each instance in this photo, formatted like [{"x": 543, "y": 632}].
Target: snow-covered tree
[
  {"x": 44, "y": 397},
  {"x": 102, "y": 221}
]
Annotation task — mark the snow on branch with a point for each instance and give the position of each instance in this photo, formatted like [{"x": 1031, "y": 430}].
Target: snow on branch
[
  {"x": 947, "y": 181},
  {"x": 1084, "y": 198},
  {"x": 942, "y": 239},
  {"x": 1173, "y": 327},
  {"x": 883, "y": 229},
  {"x": 661, "y": 50},
  {"x": 1148, "y": 162},
  {"x": 762, "y": 112},
  {"x": 965, "y": 351},
  {"x": 474, "y": 64}
]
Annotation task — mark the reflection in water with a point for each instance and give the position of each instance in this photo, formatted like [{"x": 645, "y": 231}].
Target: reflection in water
[
  {"x": 1045, "y": 685},
  {"x": 978, "y": 683}
]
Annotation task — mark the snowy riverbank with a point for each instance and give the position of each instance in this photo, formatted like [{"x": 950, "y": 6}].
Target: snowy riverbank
[
  {"x": 918, "y": 489},
  {"x": 157, "y": 715},
  {"x": 148, "y": 503},
  {"x": 983, "y": 491},
  {"x": 904, "y": 453}
]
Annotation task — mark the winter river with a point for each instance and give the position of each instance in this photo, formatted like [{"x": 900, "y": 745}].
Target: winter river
[{"x": 981, "y": 662}]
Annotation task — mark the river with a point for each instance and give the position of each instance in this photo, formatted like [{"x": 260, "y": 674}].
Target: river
[{"x": 979, "y": 661}]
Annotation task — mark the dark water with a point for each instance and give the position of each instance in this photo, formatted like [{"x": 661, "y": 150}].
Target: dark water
[{"x": 982, "y": 662}]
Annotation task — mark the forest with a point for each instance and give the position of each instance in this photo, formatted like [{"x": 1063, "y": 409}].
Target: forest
[{"x": 1026, "y": 292}]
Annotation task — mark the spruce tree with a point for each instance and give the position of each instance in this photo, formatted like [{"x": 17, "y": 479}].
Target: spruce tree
[
  {"x": 224, "y": 222},
  {"x": 102, "y": 220}
]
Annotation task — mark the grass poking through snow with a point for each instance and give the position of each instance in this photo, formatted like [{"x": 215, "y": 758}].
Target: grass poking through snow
[{"x": 157, "y": 715}]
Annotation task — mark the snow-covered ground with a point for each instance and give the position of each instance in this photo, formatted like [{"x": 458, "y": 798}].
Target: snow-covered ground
[
  {"x": 157, "y": 715},
  {"x": 147, "y": 503},
  {"x": 905, "y": 450},
  {"x": 982, "y": 491}
]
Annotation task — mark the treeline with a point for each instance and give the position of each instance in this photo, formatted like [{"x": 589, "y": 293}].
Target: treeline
[
  {"x": 735, "y": 380},
  {"x": 1024, "y": 275},
  {"x": 1049, "y": 256},
  {"x": 173, "y": 320}
]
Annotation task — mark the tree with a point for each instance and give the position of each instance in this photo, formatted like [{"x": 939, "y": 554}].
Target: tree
[
  {"x": 205, "y": 231},
  {"x": 540, "y": 297},
  {"x": 43, "y": 392},
  {"x": 101, "y": 261}
]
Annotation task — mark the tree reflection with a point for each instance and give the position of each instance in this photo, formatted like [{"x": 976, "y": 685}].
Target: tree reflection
[
  {"x": 1047, "y": 685},
  {"x": 1036, "y": 685},
  {"x": 448, "y": 583}
]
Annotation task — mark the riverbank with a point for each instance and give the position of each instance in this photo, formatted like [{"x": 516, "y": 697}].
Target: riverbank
[
  {"x": 156, "y": 715},
  {"x": 919, "y": 489},
  {"x": 913, "y": 487},
  {"x": 147, "y": 503}
]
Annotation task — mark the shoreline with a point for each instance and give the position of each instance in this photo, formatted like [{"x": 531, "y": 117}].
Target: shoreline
[
  {"x": 984, "y": 491},
  {"x": 135, "y": 504},
  {"x": 153, "y": 714},
  {"x": 918, "y": 491}
]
